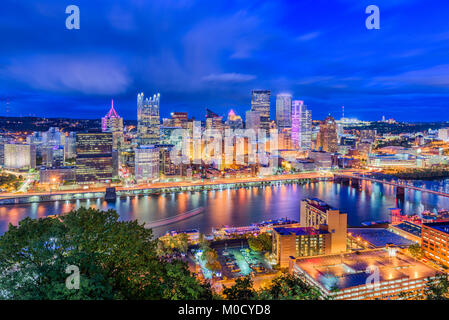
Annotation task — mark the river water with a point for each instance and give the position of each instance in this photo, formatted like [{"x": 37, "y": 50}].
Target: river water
[{"x": 239, "y": 207}]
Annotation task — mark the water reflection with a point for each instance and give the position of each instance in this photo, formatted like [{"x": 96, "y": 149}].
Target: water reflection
[{"x": 244, "y": 206}]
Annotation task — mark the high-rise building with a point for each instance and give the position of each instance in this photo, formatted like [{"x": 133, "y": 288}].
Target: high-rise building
[
  {"x": 94, "y": 161},
  {"x": 443, "y": 134},
  {"x": 327, "y": 139},
  {"x": 317, "y": 214},
  {"x": 70, "y": 145},
  {"x": 146, "y": 163},
  {"x": 19, "y": 156},
  {"x": 234, "y": 121},
  {"x": 283, "y": 110},
  {"x": 53, "y": 156},
  {"x": 214, "y": 121},
  {"x": 148, "y": 119},
  {"x": 260, "y": 102},
  {"x": 252, "y": 120},
  {"x": 112, "y": 122},
  {"x": 301, "y": 126}
]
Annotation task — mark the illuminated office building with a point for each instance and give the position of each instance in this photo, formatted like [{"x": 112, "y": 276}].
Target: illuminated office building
[
  {"x": 260, "y": 102},
  {"x": 112, "y": 122},
  {"x": 252, "y": 120},
  {"x": 94, "y": 161},
  {"x": 327, "y": 139},
  {"x": 301, "y": 126},
  {"x": 19, "y": 156},
  {"x": 284, "y": 111},
  {"x": 146, "y": 163},
  {"x": 316, "y": 213},
  {"x": 299, "y": 242},
  {"x": 148, "y": 119}
]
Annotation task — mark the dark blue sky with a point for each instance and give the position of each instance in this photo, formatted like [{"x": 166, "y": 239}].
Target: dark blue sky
[{"x": 210, "y": 54}]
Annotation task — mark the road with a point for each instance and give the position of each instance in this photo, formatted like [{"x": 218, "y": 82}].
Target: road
[{"x": 178, "y": 184}]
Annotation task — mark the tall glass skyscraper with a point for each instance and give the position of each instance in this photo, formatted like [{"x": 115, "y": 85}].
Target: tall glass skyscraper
[
  {"x": 112, "y": 122},
  {"x": 94, "y": 161},
  {"x": 301, "y": 126},
  {"x": 284, "y": 111},
  {"x": 260, "y": 102},
  {"x": 148, "y": 119}
]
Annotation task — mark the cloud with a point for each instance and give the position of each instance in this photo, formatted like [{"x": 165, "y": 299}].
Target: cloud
[
  {"x": 309, "y": 36},
  {"x": 433, "y": 76},
  {"x": 229, "y": 77},
  {"x": 95, "y": 75}
]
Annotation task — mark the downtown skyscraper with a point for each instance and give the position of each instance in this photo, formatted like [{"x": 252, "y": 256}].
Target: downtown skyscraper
[
  {"x": 283, "y": 110},
  {"x": 301, "y": 126},
  {"x": 260, "y": 102},
  {"x": 148, "y": 119},
  {"x": 112, "y": 122}
]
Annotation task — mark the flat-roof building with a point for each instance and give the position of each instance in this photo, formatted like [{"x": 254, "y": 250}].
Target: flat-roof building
[
  {"x": 435, "y": 241},
  {"x": 315, "y": 213},
  {"x": 364, "y": 275},
  {"x": 299, "y": 242}
]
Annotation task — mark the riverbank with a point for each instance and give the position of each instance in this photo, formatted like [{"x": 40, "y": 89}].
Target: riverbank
[
  {"x": 420, "y": 174},
  {"x": 165, "y": 187}
]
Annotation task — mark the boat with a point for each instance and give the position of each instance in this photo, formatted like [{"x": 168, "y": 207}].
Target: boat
[{"x": 170, "y": 220}]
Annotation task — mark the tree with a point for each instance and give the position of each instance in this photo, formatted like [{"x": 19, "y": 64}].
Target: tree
[
  {"x": 262, "y": 242},
  {"x": 116, "y": 260},
  {"x": 416, "y": 251},
  {"x": 438, "y": 289},
  {"x": 241, "y": 290},
  {"x": 288, "y": 287}
]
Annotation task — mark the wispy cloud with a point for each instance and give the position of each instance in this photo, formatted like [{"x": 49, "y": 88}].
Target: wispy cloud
[
  {"x": 58, "y": 73},
  {"x": 229, "y": 77},
  {"x": 309, "y": 36}
]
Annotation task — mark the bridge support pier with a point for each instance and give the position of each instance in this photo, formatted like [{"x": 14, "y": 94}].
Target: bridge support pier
[
  {"x": 355, "y": 183},
  {"x": 400, "y": 193}
]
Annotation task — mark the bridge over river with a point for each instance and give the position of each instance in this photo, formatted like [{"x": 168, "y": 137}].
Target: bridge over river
[{"x": 354, "y": 180}]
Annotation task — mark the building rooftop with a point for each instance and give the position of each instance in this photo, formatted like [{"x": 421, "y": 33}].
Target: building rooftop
[
  {"x": 380, "y": 237},
  {"x": 440, "y": 226},
  {"x": 352, "y": 269},
  {"x": 299, "y": 231},
  {"x": 410, "y": 228},
  {"x": 319, "y": 204}
]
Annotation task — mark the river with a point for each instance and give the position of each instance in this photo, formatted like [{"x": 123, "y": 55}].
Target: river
[{"x": 239, "y": 207}]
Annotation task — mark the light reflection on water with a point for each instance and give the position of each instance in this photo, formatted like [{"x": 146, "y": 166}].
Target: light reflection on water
[{"x": 245, "y": 206}]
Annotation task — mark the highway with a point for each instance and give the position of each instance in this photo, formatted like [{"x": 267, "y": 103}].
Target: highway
[{"x": 177, "y": 184}]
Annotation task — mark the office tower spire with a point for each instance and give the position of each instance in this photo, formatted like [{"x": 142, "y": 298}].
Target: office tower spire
[{"x": 148, "y": 119}]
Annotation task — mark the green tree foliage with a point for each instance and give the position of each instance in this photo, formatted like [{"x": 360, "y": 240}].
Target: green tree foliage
[
  {"x": 116, "y": 260},
  {"x": 416, "y": 251},
  {"x": 438, "y": 289},
  {"x": 179, "y": 242},
  {"x": 288, "y": 287},
  {"x": 241, "y": 290},
  {"x": 262, "y": 242},
  {"x": 211, "y": 257}
]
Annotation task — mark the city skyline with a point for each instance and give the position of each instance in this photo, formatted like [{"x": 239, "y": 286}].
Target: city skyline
[{"x": 212, "y": 55}]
